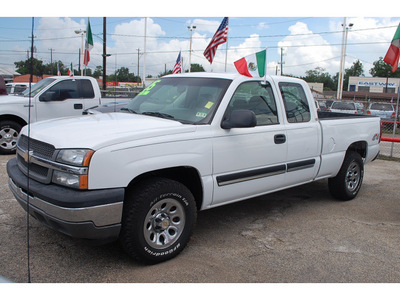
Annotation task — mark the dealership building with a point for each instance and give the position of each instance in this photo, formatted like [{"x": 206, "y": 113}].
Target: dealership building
[{"x": 373, "y": 84}]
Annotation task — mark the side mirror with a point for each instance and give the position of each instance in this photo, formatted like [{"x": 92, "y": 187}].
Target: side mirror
[{"x": 241, "y": 118}]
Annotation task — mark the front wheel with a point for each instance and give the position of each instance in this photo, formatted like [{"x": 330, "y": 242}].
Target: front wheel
[
  {"x": 158, "y": 218},
  {"x": 347, "y": 183},
  {"x": 9, "y": 131}
]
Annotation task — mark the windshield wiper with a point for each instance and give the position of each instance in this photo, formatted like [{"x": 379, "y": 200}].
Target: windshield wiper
[
  {"x": 158, "y": 114},
  {"x": 128, "y": 109}
]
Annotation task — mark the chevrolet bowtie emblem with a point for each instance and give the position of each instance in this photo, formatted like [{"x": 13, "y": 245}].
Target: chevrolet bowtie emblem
[{"x": 27, "y": 155}]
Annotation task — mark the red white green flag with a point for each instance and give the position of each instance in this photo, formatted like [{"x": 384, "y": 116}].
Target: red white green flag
[
  {"x": 252, "y": 65},
  {"x": 393, "y": 53},
  {"x": 88, "y": 44},
  {"x": 71, "y": 71}
]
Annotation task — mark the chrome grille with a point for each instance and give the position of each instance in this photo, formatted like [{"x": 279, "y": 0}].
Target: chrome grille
[{"x": 38, "y": 149}]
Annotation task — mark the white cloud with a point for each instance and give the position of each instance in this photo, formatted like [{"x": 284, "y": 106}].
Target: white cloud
[{"x": 304, "y": 50}]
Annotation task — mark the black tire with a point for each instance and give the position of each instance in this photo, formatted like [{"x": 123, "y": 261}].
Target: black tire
[
  {"x": 9, "y": 131},
  {"x": 347, "y": 183},
  {"x": 158, "y": 219}
]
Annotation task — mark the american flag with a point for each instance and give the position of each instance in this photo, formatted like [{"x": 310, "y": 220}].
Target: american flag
[
  {"x": 220, "y": 37},
  {"x": 178, "y": 65}
]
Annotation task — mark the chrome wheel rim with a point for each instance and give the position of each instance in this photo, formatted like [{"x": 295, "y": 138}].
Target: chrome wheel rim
[
  {"x": 353, "y": 176},
  {"x": 8, "y": 138},
  {"x": 164, "y": 223}
]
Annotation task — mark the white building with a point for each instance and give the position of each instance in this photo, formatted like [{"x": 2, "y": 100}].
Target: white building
[{"x": 373, "y": 84}]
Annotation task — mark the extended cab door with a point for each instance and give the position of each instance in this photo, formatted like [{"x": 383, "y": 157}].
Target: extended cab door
[
  {"x": 303, "y": 133},
  {"x": 66, "y": 98},
  {"x": 250, "y": 161}
]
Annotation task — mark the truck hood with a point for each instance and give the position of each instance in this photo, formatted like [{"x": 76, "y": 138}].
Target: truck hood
[
  {"x": 101, "y": 130},
  {"x": 13, "y": 99}
]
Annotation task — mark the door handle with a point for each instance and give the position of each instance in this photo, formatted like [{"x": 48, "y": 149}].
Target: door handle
[
  {"x": 280, "y": 139},
  {"x": 78, "y": 106}
]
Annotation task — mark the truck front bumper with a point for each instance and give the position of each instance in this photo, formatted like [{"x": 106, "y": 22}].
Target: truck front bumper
[{"x": 94, "y": 215}]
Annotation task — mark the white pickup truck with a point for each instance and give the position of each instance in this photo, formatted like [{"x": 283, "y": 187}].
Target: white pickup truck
[
  {"x": 52, "y": 97},
  {"x": 186, "y": 143}
]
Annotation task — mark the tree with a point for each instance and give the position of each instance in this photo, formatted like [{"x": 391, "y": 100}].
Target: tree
[
  {"x": 318, "y": 75},
  {"x": 196, "y": 68},
  {"x": 382, "y": 69},
  {"x": 122, "y": 74},
  {"x": 23, "y": 67},
  {"x": 356, "y": 70},
  {"x": 98, "y": 72}
]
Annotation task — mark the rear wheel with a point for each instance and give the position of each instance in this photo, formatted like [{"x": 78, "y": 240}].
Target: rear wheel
[
  {"x": 9, "y": 131},
  {"x": 347, "y": 183},
  {"x": 159, "y": 215}
]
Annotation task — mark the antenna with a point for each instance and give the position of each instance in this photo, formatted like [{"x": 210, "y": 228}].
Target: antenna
[{"x": 29, "y": 134}]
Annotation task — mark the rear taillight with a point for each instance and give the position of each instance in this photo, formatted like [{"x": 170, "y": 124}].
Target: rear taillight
[
  {"x": 368, "y": 112},
  {"x": 393, "y": 115}
]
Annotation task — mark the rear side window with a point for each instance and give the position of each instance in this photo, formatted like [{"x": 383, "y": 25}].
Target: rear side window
[
  {"x": 295, "y": 101},
  {"x": 87, "y": 89}
]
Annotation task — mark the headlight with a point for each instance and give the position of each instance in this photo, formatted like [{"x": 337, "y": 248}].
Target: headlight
[
  {"x": 73, "y": 172},
  {"x": 75, "y": 157},
  {"x": 69, "y": 180}
]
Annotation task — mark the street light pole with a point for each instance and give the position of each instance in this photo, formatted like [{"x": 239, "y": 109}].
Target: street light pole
[
  {"x": 82, "y": 32},
  {"x": 191, "y": 28},
  {"x": 343, "y": 58}
]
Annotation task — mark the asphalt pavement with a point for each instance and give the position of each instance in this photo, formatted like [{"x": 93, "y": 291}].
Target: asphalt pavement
[{"x": 301, "y": 235}]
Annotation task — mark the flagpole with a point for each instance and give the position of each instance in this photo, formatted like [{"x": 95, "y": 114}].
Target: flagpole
[
  {"x": 395, "y": 119},
  {"x": 226, "y": 51},
  {"x": 265, "y": 67}
]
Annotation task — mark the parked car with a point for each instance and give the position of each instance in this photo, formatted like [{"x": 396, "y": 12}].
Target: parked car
[
  {"x": 16, "y": 88},
  {"x": 344, "y": 107},
  {"x": 385, "y": 111}
]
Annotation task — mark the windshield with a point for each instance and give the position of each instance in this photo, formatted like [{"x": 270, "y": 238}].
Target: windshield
[
  {"x": 188, "y": 100},
  {"x": 38, "y": 87}
]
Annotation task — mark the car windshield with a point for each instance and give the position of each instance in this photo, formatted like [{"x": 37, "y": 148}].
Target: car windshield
[
  {"x": 38, "y": 87},
  {"x": 343, "y": 106},
  {"x": 185, "y": 99}
]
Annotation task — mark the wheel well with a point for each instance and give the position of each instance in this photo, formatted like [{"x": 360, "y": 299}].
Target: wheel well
[
  {"x": 13, "y": 118},
  {"x": 359, "y": 147},
  {"x": 188, "y": 176}
]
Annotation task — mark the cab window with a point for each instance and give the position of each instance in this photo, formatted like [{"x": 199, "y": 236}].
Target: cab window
[
  {"x": 295, "y": 101},
  {"x": 258, "y": 98}
]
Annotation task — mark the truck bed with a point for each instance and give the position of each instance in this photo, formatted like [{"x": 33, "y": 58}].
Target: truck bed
[{"x": 335, "y": 115}]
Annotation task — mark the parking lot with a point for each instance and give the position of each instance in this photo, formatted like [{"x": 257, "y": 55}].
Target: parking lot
[{"x": 295, "y": 236}]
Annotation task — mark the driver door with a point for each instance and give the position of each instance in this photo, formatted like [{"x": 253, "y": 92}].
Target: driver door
[
  {"x": 250, "y": 161},
  {"x": 64, "y": 99}
]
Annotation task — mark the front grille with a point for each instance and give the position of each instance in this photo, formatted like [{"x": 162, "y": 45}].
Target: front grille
[{"x": 38, "y": 149}]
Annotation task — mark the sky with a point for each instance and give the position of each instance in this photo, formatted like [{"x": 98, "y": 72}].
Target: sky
[{"x": 307, "y": 35}]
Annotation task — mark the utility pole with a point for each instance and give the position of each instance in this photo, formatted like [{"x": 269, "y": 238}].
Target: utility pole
[
  {"x": 51, "y": 60},
  {"x": 138, "y": 52},
  {"x": 282, "y": 62},
  {"x": 104, "y": 54},
  {"x": 144, "y": 53}
]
